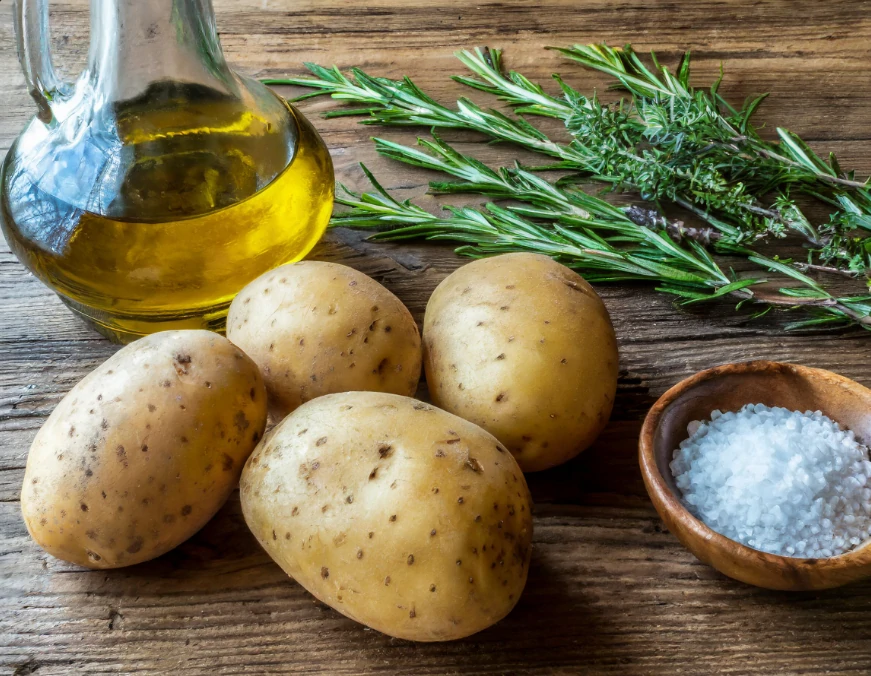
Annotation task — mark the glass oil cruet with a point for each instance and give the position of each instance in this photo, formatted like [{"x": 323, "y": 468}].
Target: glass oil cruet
[{"x": 152, "y": 190}]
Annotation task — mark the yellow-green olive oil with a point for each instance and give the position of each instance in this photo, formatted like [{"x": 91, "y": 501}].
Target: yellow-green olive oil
[{"x": 189, "y": 223}]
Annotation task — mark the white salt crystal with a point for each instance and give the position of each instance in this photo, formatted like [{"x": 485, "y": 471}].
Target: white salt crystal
[{"x": 785, "y": 482}]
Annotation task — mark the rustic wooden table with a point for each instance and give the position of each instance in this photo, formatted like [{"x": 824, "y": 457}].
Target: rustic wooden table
[{"x": 610, "y": 591}]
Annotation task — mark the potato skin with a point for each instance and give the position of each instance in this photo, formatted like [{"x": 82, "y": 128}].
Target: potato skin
[
  {"x": 144, "y": 450},
  {"x": 397, "y": 514},
  {"x": 523, "y": 347},
  {"x": 318, "y": 328}
]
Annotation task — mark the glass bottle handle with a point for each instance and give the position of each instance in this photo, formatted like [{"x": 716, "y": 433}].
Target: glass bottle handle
[{"x": 34, "y": 53}]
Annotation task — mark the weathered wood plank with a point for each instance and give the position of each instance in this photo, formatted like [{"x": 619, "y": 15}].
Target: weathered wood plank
[{"x": 610, "y": 591}]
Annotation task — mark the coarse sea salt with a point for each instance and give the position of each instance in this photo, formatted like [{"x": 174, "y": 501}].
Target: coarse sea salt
[{"x": 784, "y": 482}]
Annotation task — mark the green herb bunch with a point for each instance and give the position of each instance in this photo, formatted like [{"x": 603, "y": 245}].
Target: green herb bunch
[
  {"x": 724, "y": 168},
  {"x": 667, "y": 143}
]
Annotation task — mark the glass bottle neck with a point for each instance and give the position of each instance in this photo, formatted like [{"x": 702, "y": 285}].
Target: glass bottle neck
[{"x": 135, "y": 43}]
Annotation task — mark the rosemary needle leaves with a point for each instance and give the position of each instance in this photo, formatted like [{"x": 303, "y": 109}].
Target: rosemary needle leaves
[{"x": 668, "y": 143}]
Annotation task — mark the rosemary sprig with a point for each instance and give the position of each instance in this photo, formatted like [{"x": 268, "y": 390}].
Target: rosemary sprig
[
  {"x": 607, "y": 250},
  {"x": 653, "y": 256},
  {"x": 402, "y": 103},
  {"x": 545, "y": 201}
]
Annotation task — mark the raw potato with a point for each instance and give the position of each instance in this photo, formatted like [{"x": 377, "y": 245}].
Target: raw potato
[
  {"x": 318, "y": 328},
  {"x": 523, "y": 347},
  {"x": 399, "y": 515},
  {"x": 144, "y": 450}
]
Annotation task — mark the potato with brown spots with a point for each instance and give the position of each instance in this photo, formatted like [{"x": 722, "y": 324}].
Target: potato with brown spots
[
  {"x": 399, "y": 515},
  {"x": 523, "y": 347},
  {"x": 144, "y": 450},
  {"x": 318, "y": 328}
]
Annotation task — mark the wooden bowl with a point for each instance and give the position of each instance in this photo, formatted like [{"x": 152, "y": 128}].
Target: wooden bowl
[{"x": 728, "y": 388}]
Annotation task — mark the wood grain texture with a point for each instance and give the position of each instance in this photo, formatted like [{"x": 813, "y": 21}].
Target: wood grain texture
[{"x": 610, "y": 590}]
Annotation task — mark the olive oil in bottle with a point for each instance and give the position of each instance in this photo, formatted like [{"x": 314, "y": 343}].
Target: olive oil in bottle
[
  {"x": 152, "y": 190},
  {"x": 187, "y": 227}
]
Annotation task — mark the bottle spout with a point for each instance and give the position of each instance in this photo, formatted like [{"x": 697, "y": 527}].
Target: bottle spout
[{"x": 135, "y": 44}]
